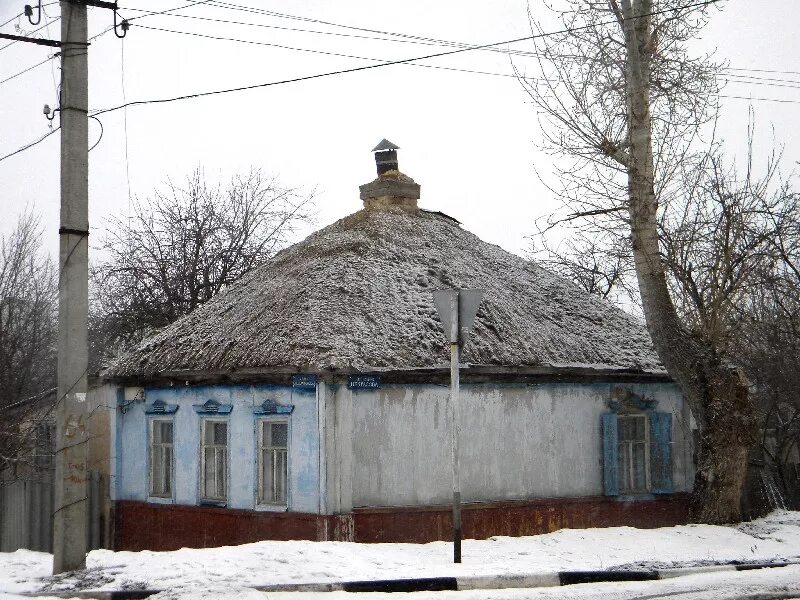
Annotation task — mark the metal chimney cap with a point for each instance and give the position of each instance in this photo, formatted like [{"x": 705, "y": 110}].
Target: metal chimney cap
[{"x": 385, "y": 145}]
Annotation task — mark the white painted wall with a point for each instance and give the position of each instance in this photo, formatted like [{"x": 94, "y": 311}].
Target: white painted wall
[{"x": 518, "y": 441}]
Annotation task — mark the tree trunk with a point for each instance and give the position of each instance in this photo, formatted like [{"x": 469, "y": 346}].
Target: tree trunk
[{"x": 718, "y": 397}]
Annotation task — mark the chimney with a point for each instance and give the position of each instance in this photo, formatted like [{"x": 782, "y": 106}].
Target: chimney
[{"x": 391, "y": 188}]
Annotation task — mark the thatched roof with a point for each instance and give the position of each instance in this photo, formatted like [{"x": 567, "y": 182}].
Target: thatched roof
[{"x": 356, "y": 296}]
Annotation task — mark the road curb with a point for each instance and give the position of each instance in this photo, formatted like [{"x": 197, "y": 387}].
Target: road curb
[{"x": 437, "y": 584}]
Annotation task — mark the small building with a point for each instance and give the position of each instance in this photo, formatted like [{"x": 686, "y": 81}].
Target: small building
[{"x": 310, "y": 399}]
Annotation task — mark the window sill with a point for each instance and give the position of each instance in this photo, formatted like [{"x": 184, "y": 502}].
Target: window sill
[
  {"x": 272, "y": 507},
  {"x": 635, "y": 497},
  {"x": 161, "y": 500},
  {"x": 214, "y": 503}
]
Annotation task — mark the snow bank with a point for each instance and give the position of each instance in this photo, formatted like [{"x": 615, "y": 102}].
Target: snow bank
[{"x": 774, "y": 538}]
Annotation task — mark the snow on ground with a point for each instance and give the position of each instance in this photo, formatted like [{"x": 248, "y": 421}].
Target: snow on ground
[{"x": 774, "y": 538}]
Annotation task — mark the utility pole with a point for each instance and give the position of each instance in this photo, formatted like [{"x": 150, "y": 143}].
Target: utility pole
[
  {"x": 70, "y": 521},
  {"x": 457, "y": 310},
  {"x": 71, "y": 518}
]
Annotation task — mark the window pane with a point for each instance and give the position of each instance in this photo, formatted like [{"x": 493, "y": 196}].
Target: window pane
[
  {"x": 156, "y": 465},
  {"x": 208, "y": 432},
  {"x": 623, "y": 462},
  {"x": 221, "y": 433},
  {"x": 208, "y": 473},
  {"x": 221, "y": 475},
  {"x": 280, "y": 434},
  {"x": 639, "y": 482},
  {"x": 266, "y": 475},
  {"x": 280, "y": 477},
  {"x": 165, "y": 428},
  {"x": 167, "y": 471}
]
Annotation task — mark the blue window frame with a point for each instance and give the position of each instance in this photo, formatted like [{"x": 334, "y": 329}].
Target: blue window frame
[{"x": 637, "y": 453}]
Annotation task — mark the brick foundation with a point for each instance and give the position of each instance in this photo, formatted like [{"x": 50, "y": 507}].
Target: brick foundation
[
  {"x": 144, "y": 526},
  {"x": 483, "y": 520}
]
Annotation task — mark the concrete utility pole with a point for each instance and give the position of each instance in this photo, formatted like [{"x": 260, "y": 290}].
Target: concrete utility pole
[
  {"x": 70, "y": 530},
  {"x": 457, "y": 310}
]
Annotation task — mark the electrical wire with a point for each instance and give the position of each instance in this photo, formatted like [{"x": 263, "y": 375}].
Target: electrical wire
[
  {"x": 31, "y": 68},
  {"x": 402, "y": 36},
  {"x": 22, "y": 14},
  {"x": 11, "y": 19},
  {"x": 751, "y": 98},
  {"x": 97, "y": 35},
  {"x": 30, "y": 33},
  {"x": 32, "y": 144},
  {"x": 125, "y": 123},
  {"x": 382, "y": 64},
  {"x": 765, "y": 81},
  {"x": 101, "y": 133}
]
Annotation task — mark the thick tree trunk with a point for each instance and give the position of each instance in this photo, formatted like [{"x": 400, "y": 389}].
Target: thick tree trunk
[{"x": 717, "y": 396}]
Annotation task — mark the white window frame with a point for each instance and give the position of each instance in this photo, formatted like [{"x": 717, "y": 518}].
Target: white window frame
[
  {"x": 626, "y": 474},
  {"x": 262, "y": 498},
  {"x": 152, "y": 493},
  {"x": 218, "y": 447}
]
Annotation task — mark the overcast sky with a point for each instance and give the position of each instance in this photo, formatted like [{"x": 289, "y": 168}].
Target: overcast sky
[{"x": 469, "y": 139}]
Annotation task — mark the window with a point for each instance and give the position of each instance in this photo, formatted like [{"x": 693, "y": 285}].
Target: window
[
  {"x": 637, "y": 453},
  {"x": 161, "y": 458},
  {"x": 273, "y": 462},
  {"x": 44, "y": 446},
  {"x": 632, "y": 454},
  {"x": 214, "y": 461}
]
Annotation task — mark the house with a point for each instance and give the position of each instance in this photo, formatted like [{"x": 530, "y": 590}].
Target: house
[{"x": 310, "y": 400}]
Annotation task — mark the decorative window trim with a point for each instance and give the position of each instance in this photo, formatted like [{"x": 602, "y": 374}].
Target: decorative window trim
[
  {"x": 270, "y": 407},
  {"x": 166, "y": 496},
  {"x": 626, "y": 401},
  {"x": 213, "y": 407},
  {"x": 159, "y": 407},
  {"x": 659, "y": 459},
  {"x": 261, "y": 503},
  {"x": 214, "y": 500}
]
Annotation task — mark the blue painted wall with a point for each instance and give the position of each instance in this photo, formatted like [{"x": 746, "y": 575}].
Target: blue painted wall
[{"x": 133, "y": 433}]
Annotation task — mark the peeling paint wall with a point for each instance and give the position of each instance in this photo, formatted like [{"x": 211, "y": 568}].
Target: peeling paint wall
[
  {"x": 132, "y": 437},
  {"x": 517, "y": 441}
]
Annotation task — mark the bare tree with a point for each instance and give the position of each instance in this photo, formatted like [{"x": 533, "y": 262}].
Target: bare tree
[
  {"x": 622, "y": 105},
  {"x": 27, "y": 340},
  {"x": 599, "y": 264},
  {"x": 181, "y": 247},
  {"x": 730, "y": 245}
]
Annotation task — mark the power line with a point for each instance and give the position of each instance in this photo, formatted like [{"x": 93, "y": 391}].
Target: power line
[
  {"x": 399, "y": 37},
  {"x": 403, "y": 37},
  {"x": 383, "y": 64},
  {"x": 17, "y": 16},
  {"x": 736, "y": 79},
  {"x": 39, "y": 64},
  {"x": 328, "y": 53},
  {"x": 32, "y": 144},
  {"x": 764, "y": 71},
  {"x": 761, "y": 99},
  {"x": 95, "y": 36},
  {"x": 47, "y": 23},
  {"x": 11, "y": 19}
]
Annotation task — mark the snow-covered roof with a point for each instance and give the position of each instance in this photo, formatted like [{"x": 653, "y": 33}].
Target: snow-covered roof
[{"x": 357, "y": 296}]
